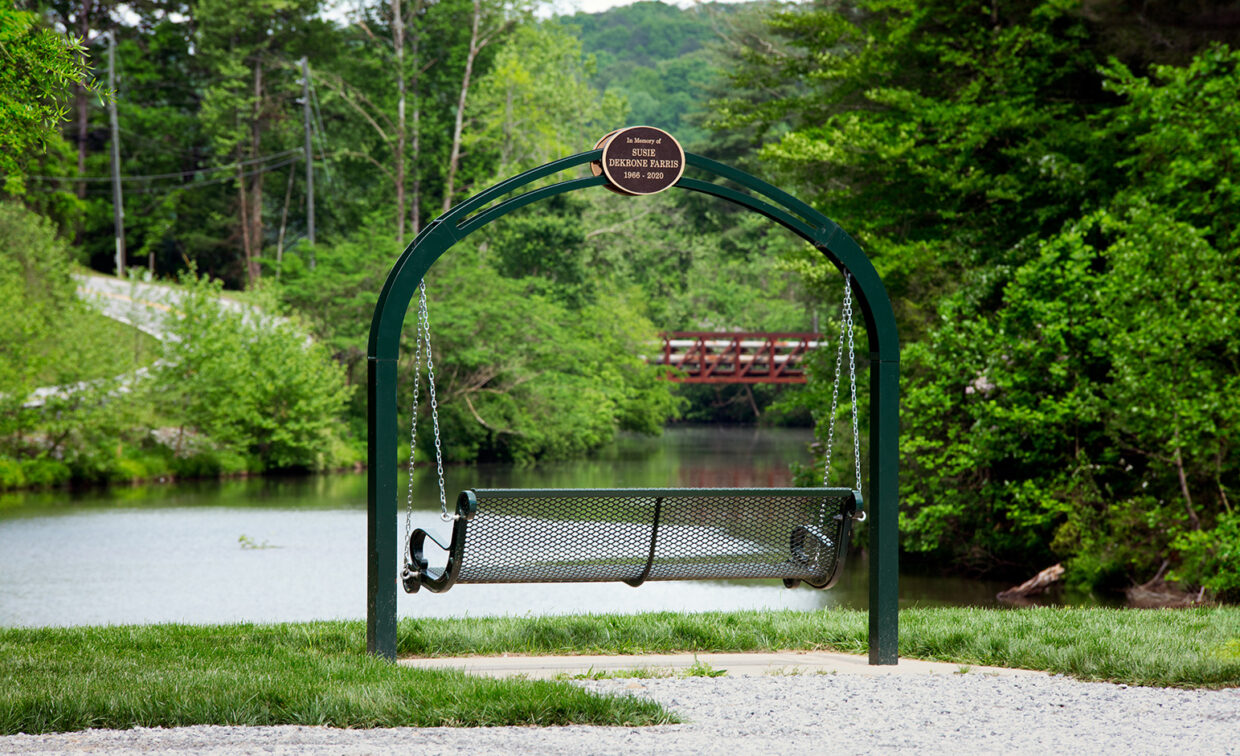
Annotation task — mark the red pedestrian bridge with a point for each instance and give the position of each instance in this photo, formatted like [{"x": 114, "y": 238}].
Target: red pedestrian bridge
[{"x": 736, "y": 357}]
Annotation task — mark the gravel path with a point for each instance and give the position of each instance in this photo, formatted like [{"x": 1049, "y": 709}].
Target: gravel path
[{"x": 813, "y": 714}]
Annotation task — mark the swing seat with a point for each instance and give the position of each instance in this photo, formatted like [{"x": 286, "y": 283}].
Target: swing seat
[{"x": 633, "y": 535}]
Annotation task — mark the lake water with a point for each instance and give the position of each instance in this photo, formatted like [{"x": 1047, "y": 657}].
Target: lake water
[{"x": 294, "y": 549}]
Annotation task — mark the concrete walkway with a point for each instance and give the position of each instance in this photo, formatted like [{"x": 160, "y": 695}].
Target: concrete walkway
[
  {"x": 146, "y": 306},
  {"x": 673, "y": 665}
]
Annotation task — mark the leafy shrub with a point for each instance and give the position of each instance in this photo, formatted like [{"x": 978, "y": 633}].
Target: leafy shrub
[
  {"x": 1211, "y": 558},
  {"x": 252, "y": 382},
  {"x": 44, "y": 472},
  {"x": 11, "y": 475},
  {"x": 126, "y": 470},
  {"x": 213, "y": 463},
  {"x": 154, "y": 464}
]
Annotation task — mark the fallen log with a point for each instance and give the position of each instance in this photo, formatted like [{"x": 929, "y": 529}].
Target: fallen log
[{"x": 1033, "y": 586}]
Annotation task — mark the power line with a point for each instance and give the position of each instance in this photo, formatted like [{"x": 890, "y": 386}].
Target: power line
[
  {"x": 163, "y": 190},
  {"x": 178, "y": 174},
  {"x": 319, "y": 130},
  {"x": 222, "y": 179}
]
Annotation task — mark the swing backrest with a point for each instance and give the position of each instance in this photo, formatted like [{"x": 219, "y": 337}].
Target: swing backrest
[{"x": 591, "y": 535}]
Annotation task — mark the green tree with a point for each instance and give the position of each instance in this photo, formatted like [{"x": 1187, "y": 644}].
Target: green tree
[
  {"x": 523, "y": 372},
  {"x": 1060, "y": 241},
  {"x": 250, "y": 381},
  {"x": 535, "y": 103},
  {"x": 523, "y": 377},
  {"x": 40, "y": 67},
  {"x": 1178, "y": 130},
  {"x": 250, "y": 48},
  {"x": 49, "y": 340},
  {"x": 940, "y": 134},
  {"x": 1085, "y": 414}
]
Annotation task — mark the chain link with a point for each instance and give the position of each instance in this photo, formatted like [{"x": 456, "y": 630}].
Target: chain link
[
  {"x": 425, "y": 320},
  {"x": 846, "y": 330},
  {"x": 835, "y": 400},
  {"x": 423, "y": 330},
  {"x": 852, "y": 378},
  {"x": 413, "y": 438}
]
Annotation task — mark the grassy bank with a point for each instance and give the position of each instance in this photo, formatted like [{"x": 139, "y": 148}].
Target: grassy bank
[
  {"x": 1181, "y": 648},
  {"x": 120, "y": 349},
  {"x": 57, "y": 680}
]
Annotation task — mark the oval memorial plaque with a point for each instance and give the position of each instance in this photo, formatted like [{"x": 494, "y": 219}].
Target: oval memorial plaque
[{"x": 641, "y": 160}]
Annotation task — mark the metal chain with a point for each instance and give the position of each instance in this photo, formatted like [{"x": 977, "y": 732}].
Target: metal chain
[
  {"x": 852, "y": 378},
  {"x": 423, "y": 330},
  {"x": 835, "y": 398},
  {"x": 413, "y": 438},
  {"x": 846, "y": 330},
  {"x": 424, "y": 319}
]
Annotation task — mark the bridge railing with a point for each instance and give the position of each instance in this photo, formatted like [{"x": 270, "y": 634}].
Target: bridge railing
[{"x": 736, "y": 357}]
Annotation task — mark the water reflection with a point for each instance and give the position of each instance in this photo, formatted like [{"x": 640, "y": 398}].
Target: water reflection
[{"x": 293, "y": 549}]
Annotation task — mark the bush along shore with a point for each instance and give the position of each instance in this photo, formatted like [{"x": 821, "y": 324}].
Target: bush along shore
[{"x": 155, "y": 459}]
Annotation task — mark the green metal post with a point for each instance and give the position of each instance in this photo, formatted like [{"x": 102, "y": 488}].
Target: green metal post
[
  {"x": 381, "y": 513},
  {"x": 884, "y": 515}
]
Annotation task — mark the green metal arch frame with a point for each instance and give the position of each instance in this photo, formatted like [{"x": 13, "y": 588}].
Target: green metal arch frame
[{"x": 474, "y": 213}]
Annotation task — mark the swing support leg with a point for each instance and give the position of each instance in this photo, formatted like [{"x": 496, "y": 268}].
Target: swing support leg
[
  {"x": 381, "y": 557},
  {"x": 884, "y": 512}
]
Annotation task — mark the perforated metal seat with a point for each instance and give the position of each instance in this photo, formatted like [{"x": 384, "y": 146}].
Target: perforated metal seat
[{"x": 635, "y": 535}]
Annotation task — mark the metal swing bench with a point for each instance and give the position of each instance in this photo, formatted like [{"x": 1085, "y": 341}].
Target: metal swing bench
[
  {"x": 639, "y": 534},
  {"x": 799, "y": 535}
]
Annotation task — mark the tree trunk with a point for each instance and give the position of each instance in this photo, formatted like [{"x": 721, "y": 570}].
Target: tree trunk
[
  {"x": 1033, "y": 586},
  {"x": 83, "y": 110},
  {"x": 506, "y": 151},
  {"x": 82, "y": 104},
  {"x": 454, "y": 158},
  {"x": 415, "y": 210},
  {"x": 245, "y": 218},
  {"x": 256, "y": 189},
  {"x": 1183, "y": 476},
  {"x": 398, "y": 30},
  {"x": 288, "y": 195}
]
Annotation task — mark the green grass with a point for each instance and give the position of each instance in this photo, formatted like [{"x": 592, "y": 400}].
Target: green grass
[
  {"x": 699, "y": 668},
  {"x": 57, "y": 680},
  {"x": 1180, "y": 648},
  {"x": 64, "y": 679},
  {"x": 122, "y": 348}
]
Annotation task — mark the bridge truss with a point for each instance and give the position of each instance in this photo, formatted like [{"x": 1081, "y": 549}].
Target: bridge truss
[{"x": 734, "y": 357}]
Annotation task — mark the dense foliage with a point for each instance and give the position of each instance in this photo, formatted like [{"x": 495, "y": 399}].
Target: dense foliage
[
  {"x": 39, "y": 66},
  {"x": 233, "y": 391},
  {"x": 661, "y": 60},
  {"x": 251, "y": 382},
  {"x": 1057, "y": 227},
  {"x": 38, "y": 307},
  {"x": 551, "y": 379}
]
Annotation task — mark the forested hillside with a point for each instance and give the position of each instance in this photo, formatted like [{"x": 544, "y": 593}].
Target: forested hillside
[
  {"x": 661, "y": 59},
  {"x": 1047, "y": 188}
]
